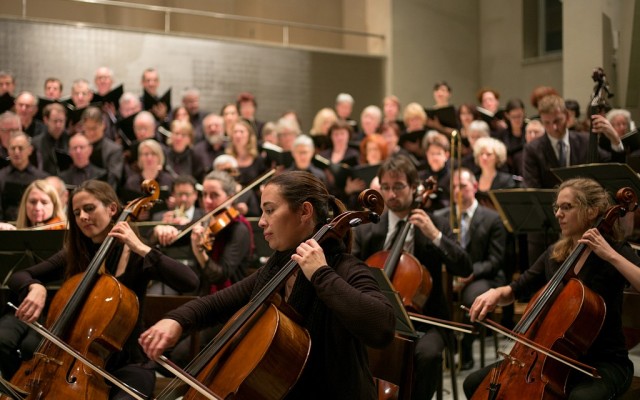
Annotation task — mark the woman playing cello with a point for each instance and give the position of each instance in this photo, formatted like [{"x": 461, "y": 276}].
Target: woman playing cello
[
  {"x": 579, "y": 204},
  {"x": 93, "y": 209},
  {"x": 337, "y": 298}
]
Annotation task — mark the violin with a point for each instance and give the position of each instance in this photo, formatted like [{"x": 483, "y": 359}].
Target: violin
[
  {"x": 559, "y": 325},
  {"x": 408, "y": 276},
  {"x": 53, "y": 224},
  {"x": 263, "y": 336},
  {"x": 224, "y": 205},
  {"x": 217, "y": 223},
  {"x": 72, "y": 318}
]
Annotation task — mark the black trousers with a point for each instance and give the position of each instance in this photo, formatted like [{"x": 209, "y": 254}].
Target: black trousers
[{"x": 616, "y": 379}]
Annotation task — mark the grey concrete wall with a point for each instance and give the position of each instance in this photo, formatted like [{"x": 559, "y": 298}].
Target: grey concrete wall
[{"x": 280, "y": 78}]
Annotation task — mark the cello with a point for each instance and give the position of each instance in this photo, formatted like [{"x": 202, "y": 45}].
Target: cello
[
  {"x": 260, "y": 339},
  {"x": 559, "y": 325},
  {"x": 408, "y": 276},
  {"x": 54, "y": 373}
]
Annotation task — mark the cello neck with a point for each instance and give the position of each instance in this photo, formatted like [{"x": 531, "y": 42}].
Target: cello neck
[
  {"x": 396, "y": 250},
  {"x": 91, "y": 275}
]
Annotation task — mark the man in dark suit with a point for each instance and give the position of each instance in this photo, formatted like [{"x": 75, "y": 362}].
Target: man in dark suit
[
  {"x": 54, "y": 143},
  {"x": 483, "y": 236},
  {"x": 560, "y": 147},
  {"x": 431, "y": 241},
  {"x": 106, "y": 153}
]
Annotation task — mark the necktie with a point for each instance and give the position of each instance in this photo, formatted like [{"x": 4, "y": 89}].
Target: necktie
[
  {"x": 396, "y": 233},
  {"x": 464, "y": 229},
  {"x": 562, "y": 157}
]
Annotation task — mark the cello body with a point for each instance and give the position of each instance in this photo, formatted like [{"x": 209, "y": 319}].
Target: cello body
[
  {"x": 262, "y": 361},
  {"x": 410, "y": 278},
  {"x": 571, "y": 324},
  {"x": 102, "y": 326}
]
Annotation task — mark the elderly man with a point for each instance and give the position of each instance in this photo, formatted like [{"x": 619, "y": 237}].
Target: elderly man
[
  {"x": 53, "y": 145},
  {"x": 214, "y": 144},
  {"x": 103, "y": 80},
  {"x": 81, "y": 170},
  {"x": 344, "y": 108},
  {"x": 9, "y": 123},
  {"x": 26, "y": 105},
  {"x": 191, "y": 102},
  {"x": 15, "y": 177}
]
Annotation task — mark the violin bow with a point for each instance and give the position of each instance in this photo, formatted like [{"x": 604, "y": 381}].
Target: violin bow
[
  {"x": 578, "y": 366},
  {"x": 61, "y": 344},
  {"x": 230, "y": 200}
]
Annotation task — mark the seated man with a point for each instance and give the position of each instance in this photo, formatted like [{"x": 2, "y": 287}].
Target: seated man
[
  {"x": 483, "y": 236},
  {"x": 431, "y": 241}
]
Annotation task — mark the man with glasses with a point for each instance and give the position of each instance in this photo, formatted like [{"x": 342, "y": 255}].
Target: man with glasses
[{"x": 433, "y": 243}]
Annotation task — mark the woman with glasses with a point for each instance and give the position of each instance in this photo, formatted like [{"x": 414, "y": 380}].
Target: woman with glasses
[{"x": 610, "y": 264}]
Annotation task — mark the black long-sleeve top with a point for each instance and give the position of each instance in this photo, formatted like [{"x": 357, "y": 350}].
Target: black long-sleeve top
[
  {"x": 343, "y": 309},
  {"x": 136, "y": 277}
]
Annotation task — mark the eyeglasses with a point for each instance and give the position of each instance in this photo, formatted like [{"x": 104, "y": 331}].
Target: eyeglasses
[
  {"x": 398, "y": 187},
  {"x": 564, "y": 207}
]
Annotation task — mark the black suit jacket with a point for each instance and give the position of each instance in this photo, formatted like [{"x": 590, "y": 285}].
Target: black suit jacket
[
  {"x": 369, "y": 239},
  {"x": 540, "y": 157},
  {"x": 487, "y": 241}
]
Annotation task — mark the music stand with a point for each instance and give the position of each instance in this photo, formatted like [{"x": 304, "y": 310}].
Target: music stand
[
  {"x": 526, "y": 210},
  {"x": 26, "y": 248},
  {"x": 403, "y": 322},
  {"x": 612, "y": 176}
]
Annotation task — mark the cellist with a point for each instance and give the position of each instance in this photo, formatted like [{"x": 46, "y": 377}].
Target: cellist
[
  {"x": 93, "y": 209},
  {"x": 334, "y": 294},
  {"x": 579, "y": 204},
  {"x": 432, "y": 242}
]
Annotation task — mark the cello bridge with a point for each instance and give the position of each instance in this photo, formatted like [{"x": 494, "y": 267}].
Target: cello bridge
[
  {"x": 512, "y": 360},
  {"x": 47, "y": 359}
]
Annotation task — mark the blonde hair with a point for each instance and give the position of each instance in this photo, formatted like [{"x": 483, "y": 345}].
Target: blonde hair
[
  {"x": 252, "y": 144},
  {"x": 414, "y": 110},
  {"x": 497, "y": 147},
  {"x": 44, "y": 186},
  {"x": 155, "y": 147}
]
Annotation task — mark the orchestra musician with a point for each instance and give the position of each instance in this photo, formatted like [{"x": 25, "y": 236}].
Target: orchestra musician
[
  {"x": 39, "y": 207},
  {"x": 432, "y": 242},
  {"x": 335, "y": 295},
  {"x": 94, "y": 208},
  {"x": 227, "y": 260},
  {"x": 612, "y": 262}
]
